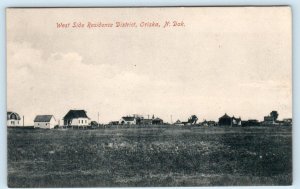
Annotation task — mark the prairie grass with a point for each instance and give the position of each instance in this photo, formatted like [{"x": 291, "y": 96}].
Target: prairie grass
[{"x": 162, "y": 156}]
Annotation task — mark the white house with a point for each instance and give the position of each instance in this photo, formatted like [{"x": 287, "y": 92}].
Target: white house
[
  {"x": 13, "y": 119},
  {"x": 128, "y": 120},
  {"x": 44, "y": 122},
  {"x": 76, "y": 118}
]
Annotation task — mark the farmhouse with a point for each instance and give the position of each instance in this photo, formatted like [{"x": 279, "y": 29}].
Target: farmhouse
[
  {"x": 269, "y": 120},
  {"x": 76, "y": 118},
  {"x": 44, "y": 121},
  {"x": 287, "y": 121},
  {"x": 236, "y": 121},
  {"x": 128, "y": 120},
  {"x": 157, "y": 121},
  {"x": 153, "y": 121},
  {"x": 208, "y": 123},
  {"x": 211, "y": 123},
  {"x": 13, "y": 119},
  {"x": 250, "y": 122},
  {"x": 146, "y": 122},
  {"x": 226, "y": 120},
  {"x": 284, "y": 122}
]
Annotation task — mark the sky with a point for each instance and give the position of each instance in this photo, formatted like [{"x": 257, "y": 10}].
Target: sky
[{"x": 223, "y": 60}]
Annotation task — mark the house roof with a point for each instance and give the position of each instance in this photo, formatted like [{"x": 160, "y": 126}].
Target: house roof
[
  {"x": 238, "y": 119},
  {"x": 128, "y": 118},
  {"x": 145, "y": 120},
  {"x": 73, "y": 114},
  {"x": 10, "y": 113},
  {"x": 43, "y": 118},
  {"x": 224, "y": 116}
]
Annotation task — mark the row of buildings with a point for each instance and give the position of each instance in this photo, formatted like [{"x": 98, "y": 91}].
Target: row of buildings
[
  {"x": 227, "y": 120},
  {"x": 138, "y": 120},
  {"x": 74, "y": 118},
  {"x": 79, "y": 118}
]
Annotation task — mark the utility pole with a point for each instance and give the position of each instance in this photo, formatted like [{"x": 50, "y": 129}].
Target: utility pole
[
  {"x": 171, "y": 119},
  {"x": 23, "y": 120}
]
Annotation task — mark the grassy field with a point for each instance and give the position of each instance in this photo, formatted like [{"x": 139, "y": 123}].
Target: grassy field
[{"x": 150, "y": 157}]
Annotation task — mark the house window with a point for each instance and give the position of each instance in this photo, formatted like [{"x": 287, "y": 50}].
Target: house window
[
  {"x": 12, "y": 122},
  {"x": 85, "y": 121}
]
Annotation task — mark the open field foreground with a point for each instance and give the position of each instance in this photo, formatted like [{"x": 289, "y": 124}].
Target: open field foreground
[{"x": 150, "y": 157}]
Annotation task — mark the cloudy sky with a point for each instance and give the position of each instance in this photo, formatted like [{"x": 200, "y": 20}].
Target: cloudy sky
[{"x": 233, "y": 60}]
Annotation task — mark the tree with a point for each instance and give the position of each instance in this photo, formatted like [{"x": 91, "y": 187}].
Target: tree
[
  {"x": 274, "y": 114},
  {"x": 193, "y": 119}
]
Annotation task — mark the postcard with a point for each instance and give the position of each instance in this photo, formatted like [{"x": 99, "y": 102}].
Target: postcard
[{"x": 149, "y": 96}]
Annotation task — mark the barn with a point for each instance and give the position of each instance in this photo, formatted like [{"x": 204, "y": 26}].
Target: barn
[
  {"x": 76, "y": 118},
  {"x": 45, "y": 121},
  {"x": 13, "y": 119}
]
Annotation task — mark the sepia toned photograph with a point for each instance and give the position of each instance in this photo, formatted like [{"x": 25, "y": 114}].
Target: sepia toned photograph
[{"x": 149, "y": 96}]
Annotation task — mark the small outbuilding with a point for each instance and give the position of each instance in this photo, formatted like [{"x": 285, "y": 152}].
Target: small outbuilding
[{"x": 45, "y": 122}]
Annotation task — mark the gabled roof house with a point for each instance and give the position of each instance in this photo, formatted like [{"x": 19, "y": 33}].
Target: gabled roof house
[
  {"x": 45, "y": 121},
  {"x": 13, "y": 119},
  {"x": 76, "y": 118}
]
